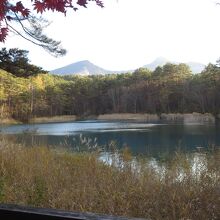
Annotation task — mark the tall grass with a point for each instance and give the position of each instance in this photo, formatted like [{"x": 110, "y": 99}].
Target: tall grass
[{"x": 183, "y": 188}]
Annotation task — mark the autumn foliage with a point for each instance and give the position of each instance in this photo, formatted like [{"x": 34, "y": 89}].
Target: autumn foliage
[{"x": 11, "y": 10}]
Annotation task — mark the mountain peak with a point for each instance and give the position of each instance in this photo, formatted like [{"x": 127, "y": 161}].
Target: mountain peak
[
  {"x": 161, "y": 61},
  {"x": 84, "y": 67},
  {"x": 84, "y": 62}
]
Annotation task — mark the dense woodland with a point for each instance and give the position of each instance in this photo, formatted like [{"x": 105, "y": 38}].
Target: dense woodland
[{"x": 169, "y": 89}]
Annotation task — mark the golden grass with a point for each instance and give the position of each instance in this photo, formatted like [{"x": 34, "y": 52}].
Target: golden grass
[
  {"x": 129, "y": 116},
  {"x": 4, "y": 121},
  {"x": 51, "y": 178},
  {"x": 53, "y": 119}
]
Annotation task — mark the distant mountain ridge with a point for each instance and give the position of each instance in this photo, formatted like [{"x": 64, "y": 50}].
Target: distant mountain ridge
[
  {"x": 85, "y": 67},
  {"x": 160, "y": 61}
]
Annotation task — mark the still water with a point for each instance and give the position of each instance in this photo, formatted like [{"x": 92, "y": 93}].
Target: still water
[{"x": 141, "y": 138}]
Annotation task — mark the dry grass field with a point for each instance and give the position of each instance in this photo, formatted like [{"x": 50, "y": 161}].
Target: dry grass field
[{"x": 43, "y": 177}]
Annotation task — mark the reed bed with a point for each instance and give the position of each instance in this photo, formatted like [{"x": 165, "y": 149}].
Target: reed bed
[{"x": 185, "y": 187}]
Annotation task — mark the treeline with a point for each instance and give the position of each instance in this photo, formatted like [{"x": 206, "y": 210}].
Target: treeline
[{"x": 169, "y": 89}]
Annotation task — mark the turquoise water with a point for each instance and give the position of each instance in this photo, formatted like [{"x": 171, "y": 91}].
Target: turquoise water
[{"x": 141, "y": 138}]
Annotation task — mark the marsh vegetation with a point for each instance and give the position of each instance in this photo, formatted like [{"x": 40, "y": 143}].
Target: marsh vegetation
[{"x": 183, "y": 187}]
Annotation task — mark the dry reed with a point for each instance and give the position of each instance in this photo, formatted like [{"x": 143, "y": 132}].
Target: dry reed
[{"x": 178, "y": 189}]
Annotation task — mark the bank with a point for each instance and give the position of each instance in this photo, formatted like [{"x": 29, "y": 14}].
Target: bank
[
  {"x": 11, "y": 121},
  {"x": 186, "y": 118}
]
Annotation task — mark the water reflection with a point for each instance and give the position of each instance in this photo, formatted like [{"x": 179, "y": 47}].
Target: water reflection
[{"x": 157, "y": 140}]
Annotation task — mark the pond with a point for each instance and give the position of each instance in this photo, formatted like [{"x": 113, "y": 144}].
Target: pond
[{"x": 141, "y": 138}]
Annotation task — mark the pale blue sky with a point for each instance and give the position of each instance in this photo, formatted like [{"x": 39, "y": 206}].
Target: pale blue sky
[{"x": 127, "y": 34}]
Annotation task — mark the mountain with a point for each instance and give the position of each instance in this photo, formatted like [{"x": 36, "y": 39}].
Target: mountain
[
  {"x": 160, "y": 61},
  {"x": 84, "y": 67},
  {"x": 196, "y": 67}
]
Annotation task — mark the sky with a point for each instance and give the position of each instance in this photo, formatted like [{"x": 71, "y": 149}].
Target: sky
[{"x": 128, "y": 34}]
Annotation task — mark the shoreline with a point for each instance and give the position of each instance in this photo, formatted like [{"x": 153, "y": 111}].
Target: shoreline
[
  {"x": 9, "y": 121},
  {"x": 185, "y": 118},
  {"x": 53, "y": 119}
]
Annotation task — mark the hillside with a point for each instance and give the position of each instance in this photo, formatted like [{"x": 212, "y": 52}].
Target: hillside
[{"x": 170, "y": 90}]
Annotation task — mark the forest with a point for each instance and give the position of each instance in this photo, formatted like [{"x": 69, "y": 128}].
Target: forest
[{"x": 168, "y": 89}]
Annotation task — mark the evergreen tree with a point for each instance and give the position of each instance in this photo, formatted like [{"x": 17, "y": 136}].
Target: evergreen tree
[{"x": 16, "y": 61}]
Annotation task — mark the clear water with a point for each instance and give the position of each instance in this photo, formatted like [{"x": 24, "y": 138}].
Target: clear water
[{"x": 141, "y": 138}]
